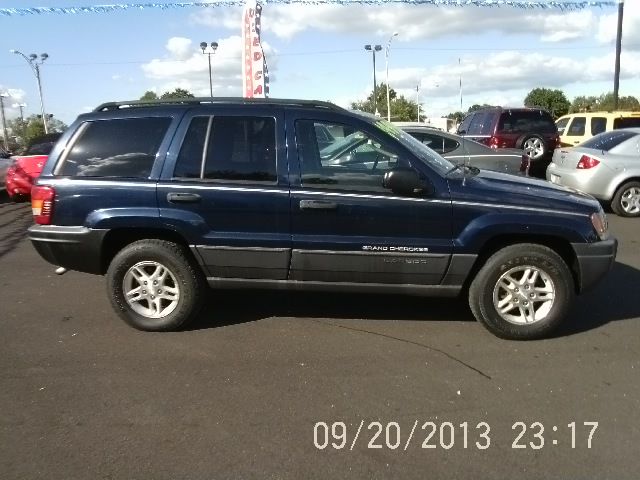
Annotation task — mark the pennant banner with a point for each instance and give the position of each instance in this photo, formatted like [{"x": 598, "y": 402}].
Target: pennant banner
[
  {"x": 522, "y": 4},
  {"x": 255, "y": 77}
]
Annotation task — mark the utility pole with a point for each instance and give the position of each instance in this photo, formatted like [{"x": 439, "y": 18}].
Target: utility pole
[{"x": 5, "y": 140}]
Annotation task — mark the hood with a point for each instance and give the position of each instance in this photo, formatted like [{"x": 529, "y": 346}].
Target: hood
[{"x": 504, "y": 189}]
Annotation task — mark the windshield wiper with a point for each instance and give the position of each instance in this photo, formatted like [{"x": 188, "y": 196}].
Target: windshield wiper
[{"x": 463, "y": 166}]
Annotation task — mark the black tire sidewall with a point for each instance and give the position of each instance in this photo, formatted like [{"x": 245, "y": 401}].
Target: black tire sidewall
[
  {"x": 481, "y": 291},
  {"x": 174, "y": 258}
]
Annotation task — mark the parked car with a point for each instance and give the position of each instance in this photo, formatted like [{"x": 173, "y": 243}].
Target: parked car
[
  {"x": 5, "y": 162},
  {"x": 459, "y": 149},
  {"x": 167, "y": 198},
  {"x": 529, "y": 129},
  {"x": 25, "y": 168},
  {"x": 606, "y": 166},
  {"x": 576, "y": 128}
]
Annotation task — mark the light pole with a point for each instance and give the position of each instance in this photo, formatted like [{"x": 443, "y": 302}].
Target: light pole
[
  {"x": 386, "y": 55},
  {"x": 418, "y": 97},
  {"x": 32, "y": 60},
  {"x": 616, "y": 74},
  {"x": 374, "y": 49},
  {"x": 4, "y": 124},
  {"x": 21, "y": 106},
  {"x": 212, "y": 51}
]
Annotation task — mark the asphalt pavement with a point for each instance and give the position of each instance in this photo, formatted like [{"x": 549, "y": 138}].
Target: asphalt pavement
[{"x": 270, "y": 385}]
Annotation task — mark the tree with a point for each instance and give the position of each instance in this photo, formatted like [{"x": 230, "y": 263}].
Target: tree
[
  {"x": 149, "y": 96},
  {"x": 554, "y": 101},
  {"x": 603, "y": 102},
  {"x": 476, "y": 106},
  {"x": 402, "y": 110},
  {"x": 457, "y": 117},
  {"x": 177, "y": 93},
  {"x": 32, "y": 127}
]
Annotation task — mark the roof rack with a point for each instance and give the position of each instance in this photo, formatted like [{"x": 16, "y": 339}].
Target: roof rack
[{"x": 215, "y": 100}]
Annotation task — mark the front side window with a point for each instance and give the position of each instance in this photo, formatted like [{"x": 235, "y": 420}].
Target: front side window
[
  {"x": 576, "y": 129},
  {"x": 229, "y": 148},
  {"x": 357, "y": 161},
  {"x": 115, "y": 148},
  {"x": 561, "y": 125}
]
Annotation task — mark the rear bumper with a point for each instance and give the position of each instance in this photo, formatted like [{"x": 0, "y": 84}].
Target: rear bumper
[
  {"x": 589, "y": 181},
  {"x": 594, "y": 261},
  {"x": 74, "y": 248}
]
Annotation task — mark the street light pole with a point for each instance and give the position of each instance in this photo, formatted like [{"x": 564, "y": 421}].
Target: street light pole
[
  {"x": 212, "y": 51},
  {"x": 616, "y": 74},
  {"x": 35, "y": 66},
  {"x": 395, "y": 34},
  {"x": 4, "y": 124},
  {"x": 374, "y": 49},
  {"x": 418, "y": 97}
]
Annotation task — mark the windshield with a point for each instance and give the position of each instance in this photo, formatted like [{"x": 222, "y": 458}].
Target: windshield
[{"x": 420, "y": 150}]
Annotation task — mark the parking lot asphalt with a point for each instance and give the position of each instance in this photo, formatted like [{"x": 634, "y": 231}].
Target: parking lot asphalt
[{"x": 272, "y": 385}]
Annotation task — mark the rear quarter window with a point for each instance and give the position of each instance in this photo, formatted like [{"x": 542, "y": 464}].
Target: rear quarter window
[
  {"x": 115, "y": 148},
  {"x": 482, "y": 124}
]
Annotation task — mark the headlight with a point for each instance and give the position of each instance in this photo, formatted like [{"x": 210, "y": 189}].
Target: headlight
[{"x": 600, "y": 224}]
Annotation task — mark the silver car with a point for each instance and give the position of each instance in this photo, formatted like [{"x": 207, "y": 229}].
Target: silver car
[
  {"x": 458, "y": 149},
  {"x": 606, "y": 166}
]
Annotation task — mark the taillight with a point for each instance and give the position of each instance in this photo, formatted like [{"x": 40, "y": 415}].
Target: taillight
[
  {"x": 493, "y": 142},
  {"x": 42, "y": 204},
  {"x": 587, "y": 162}
]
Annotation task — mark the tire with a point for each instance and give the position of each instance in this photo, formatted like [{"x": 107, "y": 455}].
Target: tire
[
  {"x": 179, "y": 291},
  {"x": 534, "y": 146},
  {"x": 626, "y": 201},
  {"x": 504, "y": 272}
]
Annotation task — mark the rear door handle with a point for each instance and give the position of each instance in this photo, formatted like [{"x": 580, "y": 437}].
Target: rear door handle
[
  {"x": 317, "y": 205},
  {"x": 183, "y": 197}
]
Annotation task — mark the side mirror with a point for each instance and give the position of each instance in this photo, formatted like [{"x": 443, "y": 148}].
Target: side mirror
[{"x": 405, "y": 181}]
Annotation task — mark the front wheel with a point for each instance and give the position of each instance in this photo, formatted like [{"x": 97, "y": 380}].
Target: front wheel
[
  {"x": 155, "y": 286},
  {"x": 522, "y": 292},
  {"x": 626, "y": 201}
]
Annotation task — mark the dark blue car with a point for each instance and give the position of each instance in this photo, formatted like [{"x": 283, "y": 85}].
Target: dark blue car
[{"x": 168, "y": 198}]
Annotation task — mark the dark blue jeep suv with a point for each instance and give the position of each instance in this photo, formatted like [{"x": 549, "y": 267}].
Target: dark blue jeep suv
[{"x": 166, "y": 198}]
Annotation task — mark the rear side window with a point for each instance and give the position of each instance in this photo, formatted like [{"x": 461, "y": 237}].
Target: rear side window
[
  {"x": 482, "y": 123},
  {"x": 598, "y": 125},
  {"x": 608, "y": 140},
  {"x": 576, "y": 129},
  {"x": 437, "y": 143},
  {"x": 115, "y": 148},
  {"x": 526, "y": 121},
  {"x": 229, "y": 148},
  {"x": 626, "y": 122}
]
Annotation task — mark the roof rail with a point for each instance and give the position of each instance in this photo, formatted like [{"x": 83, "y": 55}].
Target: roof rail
[{"x": 215, "y": 100}]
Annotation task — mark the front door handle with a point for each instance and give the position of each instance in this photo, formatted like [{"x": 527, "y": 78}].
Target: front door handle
[
  {"x": 183, "y": 197},
  {"x": 317, "y": 205}
]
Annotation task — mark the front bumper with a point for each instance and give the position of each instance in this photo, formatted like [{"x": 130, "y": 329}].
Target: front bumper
[
  {"x": 74, "y": 248},
  {"x": 594, "y": 261}
]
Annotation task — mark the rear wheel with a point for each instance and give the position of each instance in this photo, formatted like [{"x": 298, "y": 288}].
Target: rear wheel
[
  {"x": 522, "y": 292},
  {"x": 626, "y": 201},
  {"x": 534, "y": 147},
  {"x": 154, "y": 285}
]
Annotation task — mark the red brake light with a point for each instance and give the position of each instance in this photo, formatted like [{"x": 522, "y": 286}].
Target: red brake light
[
  {"x": 493, "y": 142},
  {"x": 42, "y": 204},
  {"x": 587, "y": 162}
]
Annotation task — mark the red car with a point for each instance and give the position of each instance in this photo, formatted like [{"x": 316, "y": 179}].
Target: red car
[{"x": 26, "y": 168}]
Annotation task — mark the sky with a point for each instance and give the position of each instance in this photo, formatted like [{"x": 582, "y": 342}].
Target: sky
[{"x": 317, "y": 52}]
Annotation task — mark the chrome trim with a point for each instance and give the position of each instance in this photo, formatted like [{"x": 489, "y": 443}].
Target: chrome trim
[
  {"x": 218, "y": 187},
  {"x": 369, "y": 196},
  {"x": 477, "y": 155},
  {"x": 143, "y": 182},
  {"x": 243, "y": 249},
  {"x": 516, "y": 207},
  {"x": 368, "y": 253}
]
